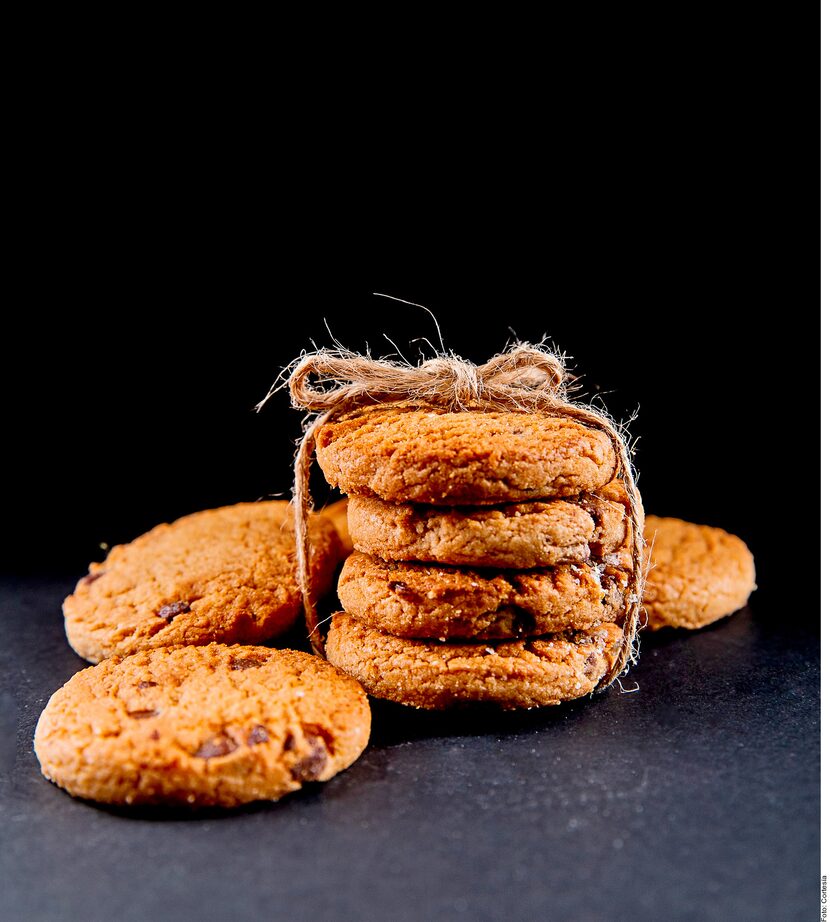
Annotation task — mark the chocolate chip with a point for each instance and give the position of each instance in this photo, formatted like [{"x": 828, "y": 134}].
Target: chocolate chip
[
  {"x": 257, "y": 735},
  {"x": 170, "y": 611},
  {"x": 142, "y": 715},
  {"x": 249, "y": 661},
  {"x": 219, "y": 745},
  {"x": 143, "y": 684},
  {"x": 154, "y": 735},
  {"x": 311, "y": 765},
  {"x": 90, "y": 578},
  {"x": 402, "y": 591},
  {"x": 322, "y": 732},
  {"x": 290, "y": 743}
]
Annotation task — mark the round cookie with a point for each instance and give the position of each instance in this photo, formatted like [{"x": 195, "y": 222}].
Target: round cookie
[
  {"x": 337, "y": 514},
  {"x": 517, "y": 535},
  {"x": 697, "y": 574},
  {"x": 225, "y": 575},
  {"x": 418, "y": 455},
  {"x": 210, "y": 726},
  {"x": 511, "y": 674},
  {"x": 423, "y": 600}
]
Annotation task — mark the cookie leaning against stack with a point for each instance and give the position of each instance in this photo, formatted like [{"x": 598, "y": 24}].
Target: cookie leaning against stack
[{"x": 492, "y": 553}]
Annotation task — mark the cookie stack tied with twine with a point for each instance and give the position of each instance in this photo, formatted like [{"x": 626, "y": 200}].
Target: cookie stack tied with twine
[{"x": 497, "y": 528}]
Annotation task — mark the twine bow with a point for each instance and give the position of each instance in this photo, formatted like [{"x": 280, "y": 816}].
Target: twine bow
[{"x": 526, "y": 378}]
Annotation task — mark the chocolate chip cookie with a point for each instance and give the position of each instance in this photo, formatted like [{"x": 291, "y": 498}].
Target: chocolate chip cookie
[
  {"x": 225, "y": 575},
  {"x": 697, "y": 574},
  {"x": 418, "y": 455},
  {"x": 511, "y": 673},
  {"x": 514, "y": 535},
  {"x": 423, "y": 600},
  {"x": 207, "y": 726}
]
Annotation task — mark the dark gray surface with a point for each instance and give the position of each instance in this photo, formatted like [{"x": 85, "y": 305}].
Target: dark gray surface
[{"x": 694, "y": 798}]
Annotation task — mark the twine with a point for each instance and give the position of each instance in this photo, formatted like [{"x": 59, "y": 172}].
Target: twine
[{"x": 526, "y": 378}]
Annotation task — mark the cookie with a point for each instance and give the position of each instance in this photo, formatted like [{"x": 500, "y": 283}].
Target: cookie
[
  {"x": 697, "y": 574},
  {"x": 337, "y": 514},
  {"x": 511, "y": 674},
  {"x": 516, "y": 535},
  {"x": 417, "y": 455},
  {"x": 424, "y": 600},
  {"x": 225, "y": 575},
  {"x": 208, "y": 726}
]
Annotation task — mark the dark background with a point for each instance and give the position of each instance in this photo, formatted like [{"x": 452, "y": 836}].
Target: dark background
[{"x": 644, "y": 198}]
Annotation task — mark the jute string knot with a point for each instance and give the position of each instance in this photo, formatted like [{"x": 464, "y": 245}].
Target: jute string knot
[{"x": 525, "y": 378}]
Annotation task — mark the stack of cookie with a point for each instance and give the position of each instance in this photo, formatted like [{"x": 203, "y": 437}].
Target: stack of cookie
[{"x": 492, "y": 553}]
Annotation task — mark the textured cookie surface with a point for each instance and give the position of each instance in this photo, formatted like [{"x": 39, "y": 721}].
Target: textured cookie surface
[
  {"x": 337, "y": 514},
  {"x": 697, "y": 575},
  {"x": 422, "y": 600},
  {"x": 210, "y": 725},
  {"x": 224, "y": 575},
  {"x": 429, "y": 456},
  {"x": 511, "y": 674},
  {"x": 515, "y": 535}
]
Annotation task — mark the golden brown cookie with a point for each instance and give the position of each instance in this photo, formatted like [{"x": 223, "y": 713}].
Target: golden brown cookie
[
  {"x": 337, "y": 514},
  {"x": 417, "y": 455},
  {"x": 511, "y": 674},
  {"x": 697, "y": 574},
  {"x": 211, "y": 725},
  {"x": 516, "y": 535},
  {"x": 225, "y": 575},
  {"x": 425, "y": 600}
]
